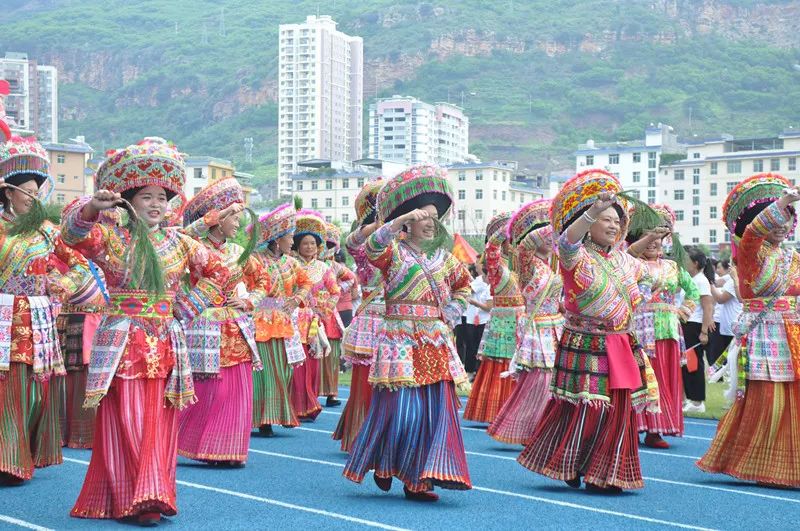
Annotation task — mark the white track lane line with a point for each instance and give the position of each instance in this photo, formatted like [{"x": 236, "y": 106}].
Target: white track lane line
[
  {"x": 269, "y": 501},
  {"x": 516, "y": 495},
  {"x": 708, "y": 424},
  {"x": 671, "y": 482},
  {"x": 664, "y": 453},
  {"x": 22, "y": 523},
  {"x": 655, "y": 480}
]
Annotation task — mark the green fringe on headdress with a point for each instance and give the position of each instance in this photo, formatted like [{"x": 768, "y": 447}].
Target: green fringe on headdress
[
  {"x": 442, "y": 239},
  {"x": 146, "y": 264},
  {"x": 678, "y": 252},
  {"x": 298, "y": 202},
  {"x": 53, "y": 213},
  {"x": 255, "y": 235},
  {"x": 29, "y": 222},
  {"x": 644, "y": 218}
]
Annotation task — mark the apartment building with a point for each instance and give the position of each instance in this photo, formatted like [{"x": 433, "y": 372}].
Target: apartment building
[
  {"x": 696, "y": 187},
  {"x": 407, "y": 130},
  {"x": 32, "y": 105},
  {"x": 69, "y": 167},
  {"x": 320, "y": 95},
  {"x": 635, "y": 163}
]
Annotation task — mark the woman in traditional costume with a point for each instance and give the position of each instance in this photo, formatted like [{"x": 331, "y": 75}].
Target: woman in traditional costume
[
  {"x": 529, "y": 231},
  {"x": 757, "y": 439},
  {"x": 657, "y": 322},
  {"x": 360, "y": 338},
  {"x": 139, "y": 375},
  {"x": 277, "y": 336},
  {"x": 499, "y": 341},
  {"x": 221, "y": 340},
  {"x": 601, "y": 375},
  {"x": 30, "y": 358},
  {"x": 345, "y": 279},
  {"x": 77, "y": 323},
  {"x": 317, "y": 316},
  {"x": 412, "y": 430}
]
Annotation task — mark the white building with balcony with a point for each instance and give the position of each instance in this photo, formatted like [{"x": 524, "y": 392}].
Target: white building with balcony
[
  {"x": 697, "y": 186},
  {"x": 32, "y": 105},
  {"x": 636, "y": 163},
  {"x": 405, "y": 129},
  {"x": 483, "y": 190}
]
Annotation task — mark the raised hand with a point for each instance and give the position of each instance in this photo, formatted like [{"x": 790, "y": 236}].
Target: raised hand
[
  {"x": 235, "y": 208},
  {"x": 105, "y": 199},
  {"x": 603, "y": 201}
]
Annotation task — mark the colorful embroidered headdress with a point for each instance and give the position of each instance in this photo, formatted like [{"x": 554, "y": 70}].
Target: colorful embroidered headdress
[
  {"x": 151, "y": 162},
  {"x": 23, "y": 158},
  {"x": 333, "y": 236},
  {"x": 277, "y": 223},
  {"x": 579, "y": 193},
  {"x": 666, "y": 213},
  {"x": 310, "y": 222},
  {"x": 749, "y": 198},
  {"x": 498, "y": 222},
  {"x": 366, "y": 201},
  {"x": 530, "y": 216},
  {"x": 415, "y": 188},
  {"x": 219, "y": 195}
]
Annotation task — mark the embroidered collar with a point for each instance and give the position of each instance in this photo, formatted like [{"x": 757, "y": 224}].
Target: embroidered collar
[
  {"x": 218, "y": 244},
  {"x": 591, "y": 244}
]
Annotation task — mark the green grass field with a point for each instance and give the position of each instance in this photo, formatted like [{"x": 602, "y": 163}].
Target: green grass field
[{"x": 715, "y": 400}]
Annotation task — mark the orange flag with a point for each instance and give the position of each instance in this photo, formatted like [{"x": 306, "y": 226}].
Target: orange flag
[{"x": 463, "y": 250}]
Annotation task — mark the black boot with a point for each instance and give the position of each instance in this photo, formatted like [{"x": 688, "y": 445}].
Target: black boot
[
  {"x": 266, "y": 431},
  {"x": 332, "y": 402}
]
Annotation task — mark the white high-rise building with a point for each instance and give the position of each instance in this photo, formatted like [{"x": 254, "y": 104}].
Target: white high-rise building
[
  {"x": 320, "y": 91},
  {"x": 32, "y": 105},
  {"x": 405, "y": 129}
]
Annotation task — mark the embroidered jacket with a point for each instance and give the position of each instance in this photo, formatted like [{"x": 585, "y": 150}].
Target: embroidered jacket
[
  {"x": 425, "y": 296},
  {"x": 769, "y": 282},
  {"x": 320, "y": 307},
  {"x": 29, "y": 276},
  {"x": 138, "y": 337},
  {"x": 223, "y": 336}
]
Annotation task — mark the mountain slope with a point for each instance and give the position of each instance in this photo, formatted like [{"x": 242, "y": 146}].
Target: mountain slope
[{"x": 536, "y": 77}]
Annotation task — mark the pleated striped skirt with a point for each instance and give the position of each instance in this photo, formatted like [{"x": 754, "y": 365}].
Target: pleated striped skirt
[
  {"x": 329, "y": 370},
  {"x": 217, "y": 427},
  {"x": 272, "y": 387},
  {"x": 412, "y": 433},
  {"x": 489, "y": 391},
  {"x": 758, "y": 439},
  {"x": 596, "y": 441},
  {"x": 517, "y": 420},
  {"x": 355, "y": 411},
  {"x": 667, "y": 368},
  {"x": 305, "y": 388},
  {"x": 134, "y": 453},
  {"x": 77, "y": 422},
  {"x": 30, "y": 428}
]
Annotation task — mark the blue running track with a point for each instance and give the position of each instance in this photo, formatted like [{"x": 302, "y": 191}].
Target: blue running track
[{"x": 293, "y": 481}]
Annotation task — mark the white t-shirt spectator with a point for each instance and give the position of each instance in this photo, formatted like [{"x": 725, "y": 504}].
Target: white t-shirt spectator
[
  {"x": 730, "y": 311},
  {"x": 720, "y": 282},
  {"x": 704, "y": 287},
  {"x": 482, "y": 294}
]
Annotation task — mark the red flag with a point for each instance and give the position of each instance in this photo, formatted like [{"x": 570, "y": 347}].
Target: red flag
[
  {"x": 691, "y": 358},
  {"x": 463, "y": 250}
]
